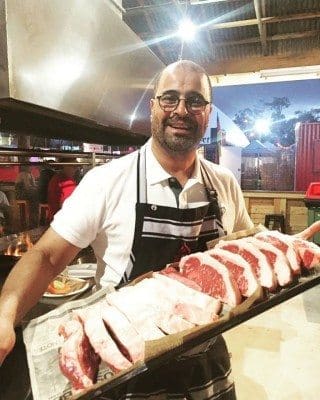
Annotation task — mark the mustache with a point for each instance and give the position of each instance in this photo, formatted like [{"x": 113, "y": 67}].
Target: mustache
[{"x": 186, "y": 121}]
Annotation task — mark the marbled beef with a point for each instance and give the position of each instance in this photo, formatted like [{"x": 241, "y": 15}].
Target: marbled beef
[{"x": 213, "y": 277}]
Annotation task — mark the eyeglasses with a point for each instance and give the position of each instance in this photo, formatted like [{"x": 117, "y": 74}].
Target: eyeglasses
[{"x": 194, "y": 104}]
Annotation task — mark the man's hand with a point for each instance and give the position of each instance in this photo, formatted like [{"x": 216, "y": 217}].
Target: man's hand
[
  {"x": 7, "y": 338},
  {"x": 309, "y": 232}
]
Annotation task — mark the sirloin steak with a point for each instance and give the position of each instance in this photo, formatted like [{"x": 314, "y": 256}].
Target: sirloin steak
[
  {"x": 255, "y": 258},
  {"x": 77, "y": 360},
  {"x": 213, "y": 277},
  {"x": 240, "y": 269}
]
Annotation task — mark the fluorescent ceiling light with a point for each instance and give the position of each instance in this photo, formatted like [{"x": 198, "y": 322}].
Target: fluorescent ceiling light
[
  {"x": 187, "y": 30},
  {"x": 311, "y": 69}
]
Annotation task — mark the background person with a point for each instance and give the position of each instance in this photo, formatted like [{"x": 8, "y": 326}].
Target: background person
[
  {"x": 25, "y": 185},
  {"x": 4, "y": 213},
  {"x": 61, "y": 186},
  {"x": 46, "y": 173},
  {"x": 26, "y": 189},
  {"x": 108, "y": 210}
]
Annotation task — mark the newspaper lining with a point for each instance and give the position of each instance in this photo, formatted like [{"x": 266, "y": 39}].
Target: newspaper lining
[{"x": 42, "y": 344}]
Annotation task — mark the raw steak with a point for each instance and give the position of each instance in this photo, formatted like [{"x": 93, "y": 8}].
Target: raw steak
[
  {"x": 142, "y": 318},
  {"x": 277, "y": 260},
  {"x": 213, "y": 277},
  {"x": 77, "y": 359},
  {"x": 125, "y": 335},
  {"x": 152, "y": 301},
  {"x": 175, "y": 274},
  {"x": 100, "y": 339},
  {"x": 240, "y": 269},
  {"x": 179, "y": 299},
  {"x": 285, "y": 244},
  {"x": 309, "y": 253},
  {"x": 190, "y": 297},
  {"x": 173, "y": 323},
  {"x": 255, "y": 258}
]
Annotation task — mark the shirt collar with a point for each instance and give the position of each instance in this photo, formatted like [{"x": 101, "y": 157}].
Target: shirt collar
[{"x": 156, "y": 174}]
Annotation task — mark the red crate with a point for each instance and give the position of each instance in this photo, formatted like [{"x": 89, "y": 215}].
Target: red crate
[{"x": 313, "y": 191}]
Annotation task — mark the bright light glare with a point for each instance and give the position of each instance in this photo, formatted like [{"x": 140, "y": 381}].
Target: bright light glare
[
  {"x": 187, "y": 30},
  {"x": 133, "y": 117},
  {"x": 262, "y": 125}
]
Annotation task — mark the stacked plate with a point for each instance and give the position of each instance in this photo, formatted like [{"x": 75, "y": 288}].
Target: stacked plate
[{"x": 82, "y": 270}]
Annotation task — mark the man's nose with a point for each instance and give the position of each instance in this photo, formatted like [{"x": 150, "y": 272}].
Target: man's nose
[{"x": 181, "y": 107}]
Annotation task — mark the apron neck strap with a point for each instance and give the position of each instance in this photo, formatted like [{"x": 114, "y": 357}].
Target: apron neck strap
[
  {"x": 141, "y": 176},
  {"x": 211, "y": 192}
]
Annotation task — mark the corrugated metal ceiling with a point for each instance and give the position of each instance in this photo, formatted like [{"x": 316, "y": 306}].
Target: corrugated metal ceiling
[{"x": 236, "y": 29}]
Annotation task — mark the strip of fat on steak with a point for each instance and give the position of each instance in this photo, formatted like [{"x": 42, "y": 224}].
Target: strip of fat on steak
[
  {"x": 172, "y": 323},
  {"x": 174, "y": 274},
  {"x": 100, "y": 339},
  {"x": 277, "y": 260},
  {"x": 142, "y": 317},
  {"x": 309, "y": 252},
  {"x": 130, "y": 342},
  {"x": 213, "y": 277},
  {"x": 285, "y": 244},
  {"x": 77, "y": 360},
  {"x": 177, "y": 302},
  {"x": 264, "y": 273},
  {"x": 151, "y": 298},
  {"x": 241, "y": 270},
  {"x": 186, "y": 295}
]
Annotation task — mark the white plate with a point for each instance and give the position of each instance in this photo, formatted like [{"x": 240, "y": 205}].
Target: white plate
[
  {"x": 83, "y": 289},
  {"x": 82, "y": 270}
]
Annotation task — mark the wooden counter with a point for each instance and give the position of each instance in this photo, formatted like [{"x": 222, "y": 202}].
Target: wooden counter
[{"x": 290, "y": 204}]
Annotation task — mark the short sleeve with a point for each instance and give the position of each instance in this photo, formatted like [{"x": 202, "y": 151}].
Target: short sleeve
[{"x": 82, "y": 214}]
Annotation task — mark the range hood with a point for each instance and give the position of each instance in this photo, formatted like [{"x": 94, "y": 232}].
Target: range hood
[{"x": 73, "y": 69}]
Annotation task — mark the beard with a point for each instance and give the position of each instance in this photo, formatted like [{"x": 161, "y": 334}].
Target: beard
[{"x": 176, "y": 144}]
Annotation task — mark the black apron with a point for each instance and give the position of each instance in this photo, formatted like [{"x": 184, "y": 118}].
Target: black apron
[{"x": 162, "y": 235}]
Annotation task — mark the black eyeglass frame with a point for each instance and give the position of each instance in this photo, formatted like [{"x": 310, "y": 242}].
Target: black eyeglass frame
[{"x": 165, "y": 108}]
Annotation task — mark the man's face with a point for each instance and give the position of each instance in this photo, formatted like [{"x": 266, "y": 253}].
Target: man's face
[{"x": 180, "y": 131}]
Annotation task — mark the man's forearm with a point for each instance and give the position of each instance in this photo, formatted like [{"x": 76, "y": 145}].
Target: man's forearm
[{"x": 25, "y": 285}]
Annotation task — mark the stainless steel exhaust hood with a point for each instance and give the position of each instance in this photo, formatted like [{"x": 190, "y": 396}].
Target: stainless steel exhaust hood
[{"x": 74, "y": 68}]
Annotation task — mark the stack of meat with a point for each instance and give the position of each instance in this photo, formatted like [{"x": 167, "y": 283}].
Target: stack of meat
[{"x": 181, "y": 296}]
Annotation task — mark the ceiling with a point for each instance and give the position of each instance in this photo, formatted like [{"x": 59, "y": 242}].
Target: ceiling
[{"x": 235, "y": 36}]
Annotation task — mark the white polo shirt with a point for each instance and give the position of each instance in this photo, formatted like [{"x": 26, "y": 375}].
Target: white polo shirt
[{"x": 101, "y": 210}]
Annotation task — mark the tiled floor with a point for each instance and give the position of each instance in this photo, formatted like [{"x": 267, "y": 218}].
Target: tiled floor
[{"x": 276, "y": 356}]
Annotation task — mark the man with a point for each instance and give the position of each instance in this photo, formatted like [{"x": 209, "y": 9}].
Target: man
[
  {"x": 4, "y": 213},
  {"x": 140, "y": 212},
  {"x": 46, "y": 173},
  {"x": 61, "y": 186}
]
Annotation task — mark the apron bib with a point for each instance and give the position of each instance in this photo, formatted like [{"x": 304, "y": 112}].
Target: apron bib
[
  {"x": 178, "y": 231},
  {"x": 163, "y": 235}
]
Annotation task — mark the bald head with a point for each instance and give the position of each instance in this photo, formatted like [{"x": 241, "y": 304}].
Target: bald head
[{"x": 186, "y": 66}]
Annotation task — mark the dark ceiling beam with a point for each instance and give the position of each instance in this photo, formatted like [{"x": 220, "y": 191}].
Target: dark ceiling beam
[
  {"x": 155, "y": 7},
  {"x": 281, "y": 36},
  {"x": 261, "y": 26},
  {"x": 258, "y": 63},
  {"x": 247, "y": 22},
  {"x": 149, "y": 23},
  {"x": 209, "y": 38}
]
